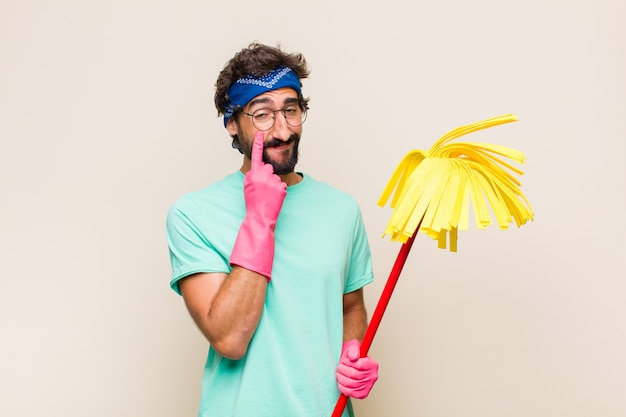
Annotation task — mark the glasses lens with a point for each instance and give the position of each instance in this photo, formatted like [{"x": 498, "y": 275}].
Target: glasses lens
[
  {"x": 295, "y": 116},
  {"x": 263, "y": 119}
]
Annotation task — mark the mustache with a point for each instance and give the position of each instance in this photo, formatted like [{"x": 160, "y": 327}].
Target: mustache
[{"x": 277, "y": 142}]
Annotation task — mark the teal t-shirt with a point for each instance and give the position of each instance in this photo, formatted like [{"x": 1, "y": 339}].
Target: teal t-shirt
[{"x": 321, "y": 253}]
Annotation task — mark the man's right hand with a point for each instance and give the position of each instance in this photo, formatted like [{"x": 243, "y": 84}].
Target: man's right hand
[{"x": 264, "y": 193}]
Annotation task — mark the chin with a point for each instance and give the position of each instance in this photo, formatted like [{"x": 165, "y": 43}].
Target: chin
[
  {"x": 283, "y": 169},
  {"x": 286, "y": 166}
]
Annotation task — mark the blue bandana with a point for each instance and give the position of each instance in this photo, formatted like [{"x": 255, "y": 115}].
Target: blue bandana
[{"x": 245, "y": 89}]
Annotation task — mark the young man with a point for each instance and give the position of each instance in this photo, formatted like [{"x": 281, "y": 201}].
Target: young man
[{"x": 271, "y": 263}]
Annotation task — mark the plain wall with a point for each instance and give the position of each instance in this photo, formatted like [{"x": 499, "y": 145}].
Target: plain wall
[{"x": 106, "y": 117}]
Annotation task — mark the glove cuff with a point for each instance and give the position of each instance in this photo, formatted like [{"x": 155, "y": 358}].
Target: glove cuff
[{"x": 254, "y": 248}]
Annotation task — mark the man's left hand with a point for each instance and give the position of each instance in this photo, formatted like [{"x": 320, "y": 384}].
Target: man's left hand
[{"x": 355, "y": 375}]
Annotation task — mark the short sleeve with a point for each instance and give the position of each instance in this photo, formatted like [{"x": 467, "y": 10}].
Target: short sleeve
[
  {"x": 190, "y": 250},
  {"x": 360, "y": 270}
]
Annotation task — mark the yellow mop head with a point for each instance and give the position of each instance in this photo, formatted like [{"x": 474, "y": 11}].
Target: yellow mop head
[{"x": 436, "y": 186}]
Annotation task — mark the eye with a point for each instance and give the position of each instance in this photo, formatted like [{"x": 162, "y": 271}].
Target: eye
[
  {"x": 263, "y": 115},
  {"x": 290, "y": 111}
]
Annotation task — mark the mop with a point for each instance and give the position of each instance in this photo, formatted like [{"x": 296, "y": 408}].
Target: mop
[{"x": 433, "y": 193}]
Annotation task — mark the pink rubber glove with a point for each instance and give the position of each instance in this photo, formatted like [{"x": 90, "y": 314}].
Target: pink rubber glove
[
  {"x": 355, "y": 375},
  {"x": 264, "y": 193}
]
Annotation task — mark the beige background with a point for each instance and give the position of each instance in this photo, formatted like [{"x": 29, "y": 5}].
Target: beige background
[{"x": 106, "y": 117}]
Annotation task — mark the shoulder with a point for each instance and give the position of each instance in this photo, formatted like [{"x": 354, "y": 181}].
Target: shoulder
[
  {"x": 325, "y": 200},
  {"x": 331, "y": 192},
  {"x": 219, "y": 192}
]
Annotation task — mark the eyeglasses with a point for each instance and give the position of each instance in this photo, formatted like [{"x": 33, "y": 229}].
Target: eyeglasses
[{"x": 264, "y": 119}]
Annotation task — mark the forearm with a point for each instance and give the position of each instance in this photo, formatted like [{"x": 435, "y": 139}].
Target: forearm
[
  {"x": 236, "y": 311},
  {"x": 354, "y": 323},
  {"x": 226, "y": 308}
]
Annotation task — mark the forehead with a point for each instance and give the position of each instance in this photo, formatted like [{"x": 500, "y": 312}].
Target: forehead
[{"x": 275, "y": 97}]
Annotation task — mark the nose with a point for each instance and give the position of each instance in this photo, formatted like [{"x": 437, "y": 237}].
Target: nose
[{"x": 281, "y": 130}]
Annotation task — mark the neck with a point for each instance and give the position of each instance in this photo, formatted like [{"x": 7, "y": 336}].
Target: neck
[{"x": 291, "y": 179}]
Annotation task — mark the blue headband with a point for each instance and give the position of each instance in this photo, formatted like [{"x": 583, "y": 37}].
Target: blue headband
[{"x": 245, "y": 89}]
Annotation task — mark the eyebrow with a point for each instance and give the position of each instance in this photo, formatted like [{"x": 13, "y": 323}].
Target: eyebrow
[{"x": 266, "y": 100}]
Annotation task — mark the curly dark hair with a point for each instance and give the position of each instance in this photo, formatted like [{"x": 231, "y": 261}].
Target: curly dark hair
[{"x": 258, "y": 60}]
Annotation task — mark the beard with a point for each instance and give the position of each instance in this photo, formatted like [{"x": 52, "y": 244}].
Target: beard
[{"x": 284, "y": 167}]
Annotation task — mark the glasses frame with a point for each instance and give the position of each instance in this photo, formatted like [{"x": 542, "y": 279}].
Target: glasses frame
[{"x": 303, "y": 108}]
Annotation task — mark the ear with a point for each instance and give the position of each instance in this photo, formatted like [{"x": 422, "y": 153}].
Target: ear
[{"x": 232, "y": 127}]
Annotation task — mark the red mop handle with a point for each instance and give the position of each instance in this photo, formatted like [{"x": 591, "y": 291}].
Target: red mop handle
[{"x": 379, "y": 311}]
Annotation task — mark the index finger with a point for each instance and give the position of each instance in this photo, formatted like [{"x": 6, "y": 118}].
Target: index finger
[{"x": 257, "y": 151}]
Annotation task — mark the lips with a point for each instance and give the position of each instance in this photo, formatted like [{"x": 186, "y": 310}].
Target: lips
[
  {"x": 275, "y": 143},
  {"x": 280, "y": 147}
]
